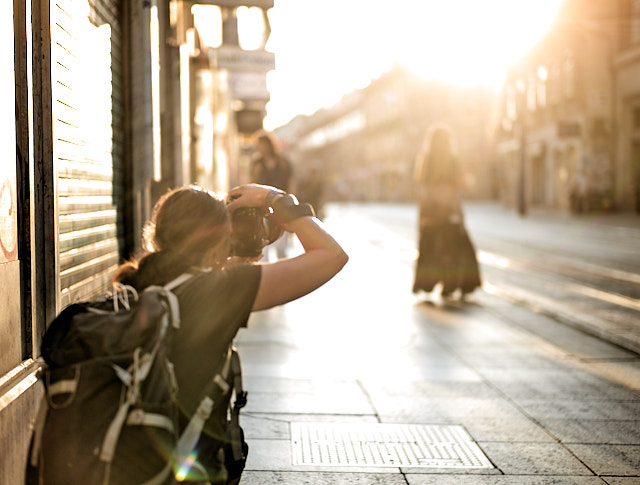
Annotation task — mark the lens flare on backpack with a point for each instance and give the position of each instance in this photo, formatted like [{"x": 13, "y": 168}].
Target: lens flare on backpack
[{"x": 183, "y": 471}]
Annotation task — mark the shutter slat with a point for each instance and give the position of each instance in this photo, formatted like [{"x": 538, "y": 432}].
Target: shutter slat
[
  {"x": 78, "y": 221},
  {"x": 95, "y": 203},
  {"x": 95, "y": 285},
  {"x": 77, "y": 256},
  {"x": 87, "y": 269},
  {"x": 77, "y": 239}
]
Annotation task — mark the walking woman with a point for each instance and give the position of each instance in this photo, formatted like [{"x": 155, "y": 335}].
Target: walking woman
[{"x": 446, "y": 254}]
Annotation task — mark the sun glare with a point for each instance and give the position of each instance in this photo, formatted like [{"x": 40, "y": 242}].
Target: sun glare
[
  {"x": 327, "y": 49},
  {"x": 471, "y": 42}
]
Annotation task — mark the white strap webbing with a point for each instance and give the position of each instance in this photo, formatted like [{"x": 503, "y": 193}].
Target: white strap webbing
[
  {"x": 191, "y": 434},
  {"x": 172, "y": 299},
  {"x": 173, "y": 284},
  {"x": 174, "y": 308},
  {"x": 112, "y": 434},
  {"x": 38, "y": 432},
  {"x": 131, "y": 378},
  {"x": 138, "y": 417},
  {"x": 66, "y": 386}
]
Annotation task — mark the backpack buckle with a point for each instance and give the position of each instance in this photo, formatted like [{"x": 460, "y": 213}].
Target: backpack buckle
[{"x": 241, "y": 399}]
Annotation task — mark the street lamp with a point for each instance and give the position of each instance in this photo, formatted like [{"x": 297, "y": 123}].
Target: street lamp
[{"x": 521, "y": 109}]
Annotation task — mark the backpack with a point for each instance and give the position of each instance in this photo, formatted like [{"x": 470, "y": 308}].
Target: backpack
[{"x": 110, "y": 413}]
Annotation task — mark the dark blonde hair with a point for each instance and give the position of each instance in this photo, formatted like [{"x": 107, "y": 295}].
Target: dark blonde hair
[
  {"x": 437, "y": 160},
  {"x": 185, "y": 224}
]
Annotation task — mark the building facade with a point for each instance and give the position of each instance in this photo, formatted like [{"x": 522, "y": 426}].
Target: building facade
[
  {"x": 626, "y": 65},
  {"x": 565, "y": 133}
]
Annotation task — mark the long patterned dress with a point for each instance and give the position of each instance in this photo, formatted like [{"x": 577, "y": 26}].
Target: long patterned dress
[{"x": 446, "y": 253}]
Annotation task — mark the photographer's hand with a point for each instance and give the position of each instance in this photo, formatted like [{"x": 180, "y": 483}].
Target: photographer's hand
[{"x": 249, "y": 195}]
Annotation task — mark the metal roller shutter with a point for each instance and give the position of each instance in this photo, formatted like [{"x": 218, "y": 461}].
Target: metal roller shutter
[{"x": 87, "y": 142}]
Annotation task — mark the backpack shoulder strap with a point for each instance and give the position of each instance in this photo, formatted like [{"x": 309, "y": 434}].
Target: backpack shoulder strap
[
  {"x": 172, "y": 299},
  {"x": 240, "y": 401},
  {"x": 211, "y": 394},
  {"x": 34, "y": 456},
  {"x": 173, "y": 284}
]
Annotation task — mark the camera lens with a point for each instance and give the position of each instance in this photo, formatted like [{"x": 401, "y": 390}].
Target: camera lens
[{"x": 247, "y": 232}]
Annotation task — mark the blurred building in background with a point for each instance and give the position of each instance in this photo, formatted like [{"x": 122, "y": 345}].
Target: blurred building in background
[
  {"x": 567, "y": 134},
  {"x": 108, "y": 103},
  {"x": 626, "y": 108},
  {"x": 367, "y": 143}
]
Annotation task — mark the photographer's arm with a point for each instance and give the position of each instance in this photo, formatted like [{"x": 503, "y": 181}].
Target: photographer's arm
[{"x": 288, "y": 279}]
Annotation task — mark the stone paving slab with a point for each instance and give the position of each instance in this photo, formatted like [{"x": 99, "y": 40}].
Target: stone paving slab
[
  {"x": 277, "y": 426},
  {"x": 316, "y": 478},
  {"x": 534, "y": 459},
  {"x": 341, "y": 398},
  {"x": 507, "y": 429},
  {"x": 501, "y": 480},
  {"x": 441, "y": 388},
  {"x": 582, "y": 409},
  {"x": 471, "y": 472},
  {"x": 621, "y": 480},
  {"x": 594, "y": 431},
  {"x": 425, "y": 408},
  {"x": 557, "y": 383},
  {"x": 320, "y": 385},
  {"x": 512, "y": 357},
  {"x": 616, "y": 460}
]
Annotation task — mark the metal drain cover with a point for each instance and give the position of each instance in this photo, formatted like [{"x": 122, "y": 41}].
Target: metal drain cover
[{"x": 384, "y": 445}]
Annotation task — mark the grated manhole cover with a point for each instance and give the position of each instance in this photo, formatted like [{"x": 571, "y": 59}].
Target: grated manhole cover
[{"x": 385, "y": 445}]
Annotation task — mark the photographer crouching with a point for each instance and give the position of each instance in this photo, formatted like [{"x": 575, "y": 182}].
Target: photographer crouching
[{"x": 195, "y": 231}]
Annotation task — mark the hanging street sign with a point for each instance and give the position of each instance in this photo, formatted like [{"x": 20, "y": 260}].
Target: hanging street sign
[
  {"x": 248, "y": 85},
  {"x": 236, "y": 59}
]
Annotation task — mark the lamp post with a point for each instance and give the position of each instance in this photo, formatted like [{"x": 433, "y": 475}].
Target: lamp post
[{"x": 521, "y": 107}]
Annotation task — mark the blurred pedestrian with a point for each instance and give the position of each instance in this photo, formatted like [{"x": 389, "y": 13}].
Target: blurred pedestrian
[
  {"x": 578, "y": 192},
  {"x": 311, "y": 189},
  {"x": 269, "y": 167},
  {"x": 446, "y": 257}
]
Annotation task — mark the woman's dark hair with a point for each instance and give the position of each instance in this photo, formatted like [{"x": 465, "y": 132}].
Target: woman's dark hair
[
  {"x": 269, "y": 140},
  {"x": 185, "y": 224},
  {"x": 437, "y": 161}
]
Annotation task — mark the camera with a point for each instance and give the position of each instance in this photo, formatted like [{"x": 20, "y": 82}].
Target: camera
[{"x": 249, "y": 228}]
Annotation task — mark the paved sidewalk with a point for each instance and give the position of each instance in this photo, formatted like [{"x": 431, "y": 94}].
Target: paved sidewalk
[{"x": 551, "y": 407}]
